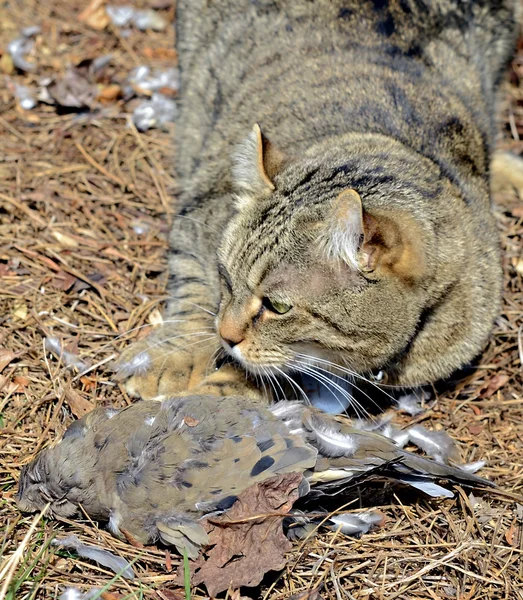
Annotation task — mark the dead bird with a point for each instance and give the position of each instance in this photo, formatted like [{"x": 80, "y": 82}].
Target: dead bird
[{"x": 154, "y": 469}]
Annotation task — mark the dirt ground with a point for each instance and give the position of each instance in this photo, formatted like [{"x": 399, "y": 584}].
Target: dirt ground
[{"x": 85, "y": 206}]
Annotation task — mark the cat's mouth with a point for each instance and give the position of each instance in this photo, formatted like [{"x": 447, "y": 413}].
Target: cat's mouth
[{"x": 331, "y": 393}]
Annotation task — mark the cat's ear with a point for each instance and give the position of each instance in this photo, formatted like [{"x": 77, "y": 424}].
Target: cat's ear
[
  {"x": 370, "y": 242},
  {"x": 255, "y": 164}
]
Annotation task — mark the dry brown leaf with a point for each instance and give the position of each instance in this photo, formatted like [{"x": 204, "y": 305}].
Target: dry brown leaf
[
  {"x": 160, "y": 53},
  {"x": 511, "y": 535},
  {"x": 110, "y": 93},
  {"x": 7, "y": 386},
  {"x": 132, "y": 540},
  {"x": 79, "y": 406},
  {"x": 21, "y": 381},
  {"x": 247, "y": 541},
  {"x": 95, "y": 15},
  {"x": 165, "y": 594},
  {"x": 88, "y": 382},
  {"x": 74, "y": 90},
  {"x": 168, "y": 561},
  {"x": 313, "y": 594},
  {"x": 110, "y": 596},
  {"x": 63, "y": 281},
  {"x": 6, "y": 356},
  {"x": 495, "y": 383},
  {"x": 475, "y": 429}
]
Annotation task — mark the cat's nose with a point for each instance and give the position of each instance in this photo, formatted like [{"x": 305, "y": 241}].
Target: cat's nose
[
  {"x": 231, "y": 340},
  {"x": 231, "y": 333},
  {"x": 231, "y": 343}
]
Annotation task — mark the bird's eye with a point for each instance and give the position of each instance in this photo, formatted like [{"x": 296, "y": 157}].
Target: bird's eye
[{"x": 276, "y": 306}]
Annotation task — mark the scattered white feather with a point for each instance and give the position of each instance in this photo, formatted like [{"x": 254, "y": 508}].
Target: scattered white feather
[
  {"x": 73, "y": 593},
  {"x": 437, "y": 444},
  {"x": 69, "y": 359},
  {"x": 473, "y": 467},
  {"x": 399, "y": 436},
  {"x": 428, "y": 487},
  {"x": 330, "y": 441},
  {"x": 114, "y": 522},
  {"x": 115, "y": 563},
  {"x": 410, "y": 404},
  {"x": 136, "y": 366},
  {"x": 356, "y": 523}
]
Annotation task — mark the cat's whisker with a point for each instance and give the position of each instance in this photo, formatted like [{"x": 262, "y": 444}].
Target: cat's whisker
[
  {"x": 198, "y": 222},
  {"x": 269, "y": 379},
  {"x": 167, "y": 354},
  {"x": 360, "y": 410},
  {"x": 279, "y": 386},
  {"x": 349, "y": 372},
  {"x": 327, "y": 383},
  {"x": 170, "y": 338},
  {"x": 353, "y": 384},
  {"x": 209, "y": 312},
  {"x": 294, "y": 384},
  {"x": 125, "y": 333},
  {"x": 312, "y": 371},
  {"x": 213, "y": 359},
  {"x": 144, "y": 353}
]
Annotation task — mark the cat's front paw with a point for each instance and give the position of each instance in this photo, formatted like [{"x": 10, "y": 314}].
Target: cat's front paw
[{"x": 153, "y": 369}]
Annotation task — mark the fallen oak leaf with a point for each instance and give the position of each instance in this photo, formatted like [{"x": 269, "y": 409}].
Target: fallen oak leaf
[
  {"x": 313, "y": 594},
  {"x": 511, "y": 535},
  {"x": 131, "y": 540},
  {"x": 248, "y": 541},
  {"x": 79, "y": 406},
  {"x": 494, "y": 384},
  {"x": 6, "y": 356}
]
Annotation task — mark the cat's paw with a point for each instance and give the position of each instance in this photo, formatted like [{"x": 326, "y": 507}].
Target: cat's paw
[{"x": 155, "y": 370}]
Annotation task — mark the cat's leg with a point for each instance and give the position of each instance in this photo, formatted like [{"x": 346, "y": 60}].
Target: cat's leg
[
  {"x": 506, "y": 173},
  {"x": 178, "y": 355}
]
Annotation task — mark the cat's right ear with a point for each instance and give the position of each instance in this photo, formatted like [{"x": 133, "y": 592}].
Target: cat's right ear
[{"x": 255, "y": 164}]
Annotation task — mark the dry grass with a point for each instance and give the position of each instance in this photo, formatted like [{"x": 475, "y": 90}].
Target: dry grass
[{"x": 83, "y": 199}]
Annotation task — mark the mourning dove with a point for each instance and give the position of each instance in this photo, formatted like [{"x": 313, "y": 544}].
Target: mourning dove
[{"x": 154, "y": 468}]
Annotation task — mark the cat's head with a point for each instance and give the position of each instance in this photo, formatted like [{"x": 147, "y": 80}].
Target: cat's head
[{"x": 319, "y": 261}]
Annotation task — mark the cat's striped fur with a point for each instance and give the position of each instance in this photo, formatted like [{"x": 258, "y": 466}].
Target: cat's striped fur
[{"x": 394, "y": 99}]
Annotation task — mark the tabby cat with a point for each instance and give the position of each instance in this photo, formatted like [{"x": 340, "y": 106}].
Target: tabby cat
[{"x": 334, "y": 209}]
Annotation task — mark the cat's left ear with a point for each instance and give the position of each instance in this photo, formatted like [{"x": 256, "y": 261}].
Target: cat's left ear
[
  {"x": 255, "y": 164},
  {"x": 372, "y": 242}
]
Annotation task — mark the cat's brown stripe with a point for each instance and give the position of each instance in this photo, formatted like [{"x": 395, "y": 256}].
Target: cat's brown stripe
[{"x": 393, "y": 99}]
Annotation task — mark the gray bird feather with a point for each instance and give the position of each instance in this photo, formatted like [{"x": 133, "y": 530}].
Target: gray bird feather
[{"x": 117, "y": 564}]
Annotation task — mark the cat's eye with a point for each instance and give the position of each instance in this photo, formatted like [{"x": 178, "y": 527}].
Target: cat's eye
[{"x": 276, "y": 306}]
